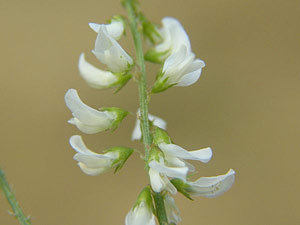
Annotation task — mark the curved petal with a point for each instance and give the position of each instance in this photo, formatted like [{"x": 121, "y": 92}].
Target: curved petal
[
  {"x": 115, "y": 29},
  {"x": 141, "y": 214},
  {"x": 78, "y": 145},
  {"x": 93, "y": 162},
  {"x": 203, "y": 155},
  {"x": 95, "y": 26},
  {"x": 212, "y": 186},
  {"x": 95, "y": 77},
  {"x": 175, "y": 172},
  {"x": 92, "y": 171},
  {"x": 192, "y": 73},
  {"x": 109, "y": 52},
  {"x": 160, "y": 182},
  {"x": 137, "y": 133},
  {"x": 87, "y": 129}
]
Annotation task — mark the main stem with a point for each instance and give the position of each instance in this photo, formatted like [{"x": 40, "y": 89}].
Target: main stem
[
  {"x": 18, "y": 213},
  {"x": 143, "y": 97}
]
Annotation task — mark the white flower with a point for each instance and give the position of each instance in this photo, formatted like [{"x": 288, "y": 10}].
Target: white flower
[
  {"x": 173, "y": 35},
  {"x": 212, "y": 186},
  {"x": 175, "y": 155},
  {"x": 95, "y": 77},
  {"x": 115, "y": 29},
  {"x": 179, "y": 69},
  {"x": 141, "y": 213},
  {"x": 137, "y": 133},
  {"x": 159, "y": 174},
  {"x": 89, "y": 120},
  {"x": 171, "y": 210},
  {"x": 89, "y": 162},
  {"x": 109, "y": 52},
  {"x": 92, "y": 163}
]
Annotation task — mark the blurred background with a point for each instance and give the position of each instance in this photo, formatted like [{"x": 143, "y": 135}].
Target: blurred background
[{"x": 245, "y": 106}]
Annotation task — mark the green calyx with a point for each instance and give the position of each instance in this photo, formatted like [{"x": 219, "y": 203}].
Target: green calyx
[
  {"x": 123, "y": 78},
  {"x": 161, "y": 84},
  {"x": 119, "y": 113},
  {"x": 182, "y": 187},
  {"x": 160, "y": 136},
  {"x": 155, "y": 154},
  {"x": 123, "y": 154},
  {"x": 146, "y": 197},
  {"x": 156, "y": 57},
  {"x": 150, "y": 30}
]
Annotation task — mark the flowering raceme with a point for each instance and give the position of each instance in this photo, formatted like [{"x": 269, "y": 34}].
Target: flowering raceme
[{"x": 165, "y": 162}]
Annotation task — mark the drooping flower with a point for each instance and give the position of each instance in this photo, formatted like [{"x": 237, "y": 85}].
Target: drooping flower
[
  {"x": 109, "y": 52},
  {"x": 172, "y": 210},
  {"x": 141, "y": 213},
  {"x": 173, "y": 36},
  {"x": 180, "y": 69},
  {"x": 98, "y": 78},
  {"x": 89, "y": 120},
  {"x": 115, "y": 28},
  {"x": 175, "y": 155},
  {"x": 159, "y": 172},
  {"x": 206, "y": 186},
  {"x": 93, "y": 163},
  {"x": 137, "y": 133}
]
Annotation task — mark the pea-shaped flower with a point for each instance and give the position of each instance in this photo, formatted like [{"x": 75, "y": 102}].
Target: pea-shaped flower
[
  {"x": 173, "y": 37},
  {"x": 141, "y": 213},
  {"x": 100, "y": 79},
  {"x": 93, "y": 163},
  {"x": 179, "y": 69},
  {"x": 206, "y": 186},
  {"x": 109, "y": 52},
  {"x": 89, "y": 120}
]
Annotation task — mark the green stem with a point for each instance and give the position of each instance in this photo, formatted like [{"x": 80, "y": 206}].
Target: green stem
[
  {"x": 12, "y": 200},
  {"x": 142, "y": 83},
  {"x": 160, "y": 208},
  {"x": 143, "y": 97}
]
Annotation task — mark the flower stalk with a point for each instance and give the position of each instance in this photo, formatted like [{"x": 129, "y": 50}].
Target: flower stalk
[
  {"x": 143, "y": 98},
  {"x": 17, "y": 210}
]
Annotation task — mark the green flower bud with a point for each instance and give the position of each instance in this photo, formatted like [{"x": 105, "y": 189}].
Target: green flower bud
[{"x": 160, "y": 136}]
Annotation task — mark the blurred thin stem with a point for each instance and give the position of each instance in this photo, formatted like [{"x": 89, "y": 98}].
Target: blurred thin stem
[
  {"x": 143, "y": 96},
  {"x": 17, "y": 210}
]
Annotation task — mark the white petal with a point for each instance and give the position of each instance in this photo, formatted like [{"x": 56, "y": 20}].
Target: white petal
[
  {"x": 171, "y": 210},
  {"x": 95, "y": 27},
  {"x": 115, "y": 29},
  {"x": 173, "y": 35},
  {"x": 78, "y": 145},
  {"x": 137, "y": 133},
  {"x": 192, "y": 73},
  {"x": 92, "y": 171},
  {"x": 203, "y": 155},
  {"x": 87, "y": 129},
  {"x": 109, "y": 52},
  {"x": 140, "y": 215},
  {"x": 160, "y": 182},
  {"x": 159, "y": 122},
  {"x": 175, "y": 172},
  {"x": 213, "y": 186},
  {"x": 95, "y": 77},
  {"x": 94, "y": 162}
]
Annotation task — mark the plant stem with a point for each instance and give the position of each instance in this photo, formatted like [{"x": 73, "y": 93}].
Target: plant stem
[
  {"x": 12, "y": 200},
  {"x": 143, "y": 97},
  {"x": 142, "y": 83}
]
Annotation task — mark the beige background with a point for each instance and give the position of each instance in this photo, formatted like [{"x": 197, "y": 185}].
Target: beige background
[{"x": 245, "y": 106}]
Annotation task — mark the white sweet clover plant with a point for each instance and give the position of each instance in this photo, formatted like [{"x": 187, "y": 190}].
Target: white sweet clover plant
[{"x": 166, "y": 162}]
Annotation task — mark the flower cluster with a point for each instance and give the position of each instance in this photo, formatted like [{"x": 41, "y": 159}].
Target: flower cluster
[{"x": 166, "y": 162}]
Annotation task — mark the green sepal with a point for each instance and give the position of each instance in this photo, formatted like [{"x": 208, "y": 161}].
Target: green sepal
[
  {"x": 123, "y": 78},
  {"x": 181, "y": 187},
  {"x": 160, "y": 84},
  {"x": 123, "y": 154},
  {"x": 120, "y": 115},
  {"x": 155, "y": 154},
  {"x": 150, "y": 30},
  {"x": 160, "y": 136},
  {"x": 156, "y": 57},
  {"x": 145, "y": 196}
]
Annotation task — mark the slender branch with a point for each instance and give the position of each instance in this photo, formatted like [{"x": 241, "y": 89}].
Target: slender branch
[
  {"x": 18, "y": 213},
  {"x": 143, "y": 96}
]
